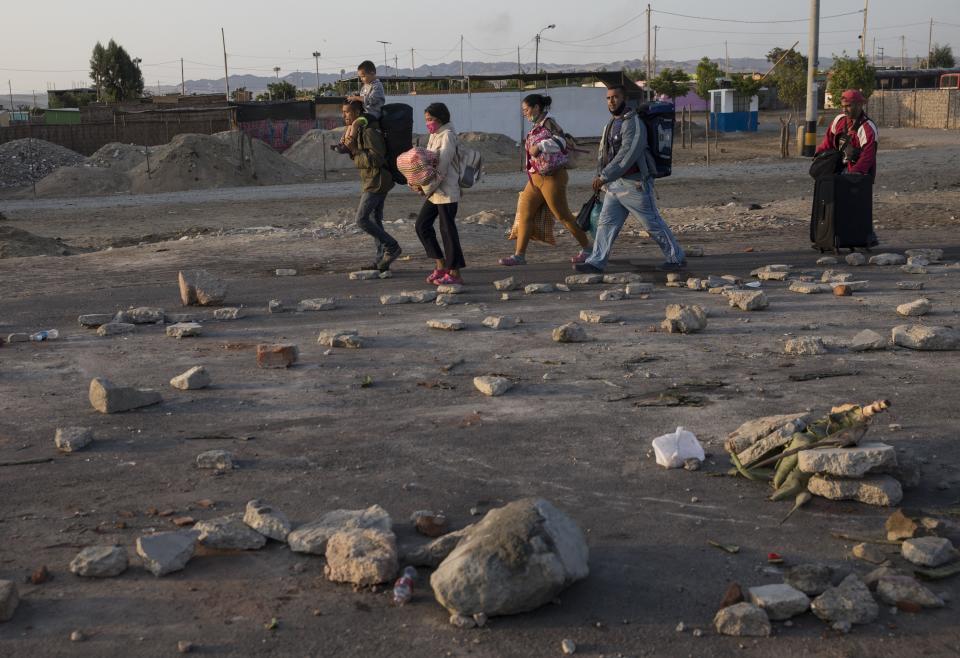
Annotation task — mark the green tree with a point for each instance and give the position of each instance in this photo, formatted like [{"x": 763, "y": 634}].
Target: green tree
[
  {"x": 635, "y": 74},
  {"x": 790, "y": 77},
  {"x": 941, "y": 57},
  {"x": 282, "y": 91},
  {"x": 671, "y": 82},
  {"x": 708, "y": 77},
  {"x": 850, "y": 73},
  {"x": 746, "y": 85},
  {"x": 114, "y": 73}
]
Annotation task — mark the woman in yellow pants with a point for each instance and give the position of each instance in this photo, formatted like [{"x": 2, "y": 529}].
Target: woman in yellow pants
[{"x": 546, "y": 157}]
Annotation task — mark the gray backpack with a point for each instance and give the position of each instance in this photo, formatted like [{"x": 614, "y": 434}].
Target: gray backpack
[{"x": 469, "y": 165}]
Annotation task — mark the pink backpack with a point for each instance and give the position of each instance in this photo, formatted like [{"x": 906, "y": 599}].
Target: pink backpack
[
  {"x": 418, "y": 165},
  {"x": 545, "y": 163}
]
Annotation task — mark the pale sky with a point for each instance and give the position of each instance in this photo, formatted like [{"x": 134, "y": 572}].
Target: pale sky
[{"x": 48, "y": 45}]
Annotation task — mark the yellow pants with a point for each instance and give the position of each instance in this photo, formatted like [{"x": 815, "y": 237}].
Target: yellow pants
[{"x": 550, "y": 190}]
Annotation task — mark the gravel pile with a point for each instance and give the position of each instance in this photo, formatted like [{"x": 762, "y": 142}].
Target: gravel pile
[{"x": 24, "y": 161}]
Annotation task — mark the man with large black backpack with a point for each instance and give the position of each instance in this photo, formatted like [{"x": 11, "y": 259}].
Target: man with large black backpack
[
  {"x": 627, "y": 168},
  {"x": 844, "y": 168}
]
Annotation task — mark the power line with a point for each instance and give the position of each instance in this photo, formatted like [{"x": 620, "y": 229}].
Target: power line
[
  {"x": 736, "y": 20},
  {"x": 603, "y": 34}
]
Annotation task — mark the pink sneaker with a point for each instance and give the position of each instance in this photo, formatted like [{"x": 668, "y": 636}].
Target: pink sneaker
[
  {"x": 435, "y": 276},
  {"x": 581, "y": 257},
  {"x": 449, "y": 280},
  {"x": 510, "y": 261}
]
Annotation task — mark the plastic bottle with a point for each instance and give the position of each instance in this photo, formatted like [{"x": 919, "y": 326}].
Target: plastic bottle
[
  {"x": 403, "y": 588},
  {"x": 49, "y": 334}
]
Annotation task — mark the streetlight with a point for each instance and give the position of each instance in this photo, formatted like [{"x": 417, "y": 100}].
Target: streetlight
[
  {"x": 385, "y": 44},
  {"x": 536, "y": 59},
  {"x": 316, "y": 59}
]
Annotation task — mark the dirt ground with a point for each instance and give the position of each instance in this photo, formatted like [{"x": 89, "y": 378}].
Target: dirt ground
[{"x": 575, "y": 429}]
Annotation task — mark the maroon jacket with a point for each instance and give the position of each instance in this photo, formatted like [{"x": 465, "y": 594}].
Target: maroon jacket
[{"x": 865, "y": 139}]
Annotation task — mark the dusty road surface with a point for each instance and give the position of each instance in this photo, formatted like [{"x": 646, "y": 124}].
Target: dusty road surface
[{"x": 398, "y": 423}]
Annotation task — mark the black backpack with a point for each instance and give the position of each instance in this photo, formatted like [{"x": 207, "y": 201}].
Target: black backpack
[
  {"x": 396, "y": 123},
  {"x": 830, "y": 161},
  {"x": 659, "y": 118}
]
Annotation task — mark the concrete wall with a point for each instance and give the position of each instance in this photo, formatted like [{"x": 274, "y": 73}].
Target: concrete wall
[
  {"x": 915, "y": 108},
  {"x": 581, "y": 111}
]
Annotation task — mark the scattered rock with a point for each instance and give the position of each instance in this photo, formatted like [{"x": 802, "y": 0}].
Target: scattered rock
[
  {"x": 775, "y": 275},
  {"x": 516, "y": 559},
  {"x": 361, "y": 556},
  {"x": 872, "y": 490},
  {"x": 894, "y": 590},
  {"x": 115, "y": 329},
  {"x": 229, "y": 313},
  {"x": 200, "y": 288},
  {"x": 612, "y": 295},
  {"x": 229, "y": 533},
  {"x": 166, "y": 552},
  {"x": 71, "y": 439},
  {"x": 447, "y": 324},
  {"x": 928, "y": 551},
  {"x": 280, "y": 355},
  {"x": 462, "y": 622},
  {"x": 570, "y": 333},
  {"x": 693, "y": 251},
  {"x": 638, "y": 289},
  {"x": 312, "y": 537},
  {"x": 912, "y": 268},
  {"x": 915, "y": 308},
  {"x": 538, "y": 288},
  {"x": 183, "y": 646},
  {"x": 684, "y": 319},
  {"x": 842, "y": 290},
  {"x": 811, "y": 579},
  {"x": 805, "y": 346},
  {"x": 9, "y": 599},
  {"x": 509, "y": 283},
  {"x": 195, "y": 378},
  {"x": 856, "y": 259},
  {"x": 900, "y": 526},
  {"x": 910, "y": 285},
  {"x": 868, "y": 339},
  {"x": 622, "y": 278},
  {"x": 825, "y": 261},
  {"x": 926, "y": 338},
  {"x": 809, "y": 288},
  {"x": 100, "y": 562},
  {"x": 583, "y": 279},
  {"x": 850, "y": 601},
  {"x": 888, "y": 259},
  {"x": 599, "y": 317},
  {"x": 364, "y": 275},
  {"x": 140, "y": 315},
  {"x": 340, "y": 338},
  {"x": 872, "y": 578},
  {"x": 388, "y": 300},
  {"x": 108, "y": 398},
  {"x": 500, "y": 322},
  {"x": 779, "y": 601},
  {"x": 285, "y": 271},
  {"x": 446, "y": 300},
  {"x": 932, "y": 255},
  {"x": 221, "y": 460},
  {"x": 568, "y": 647},
  {"x": 92, "y": 320},
  {"x": 183, "y": 329},
  {"x": 748, "y": 300},
  {"x": 275, "y": 306},
  {"x": 450, "y": 289},
  {"x": 267, "y": 521},
  {"x": 853, "y": 462},
  {"x": 752, "y": 431},
  {"x": 77, "y": 636},
  {"x": 317, "y": 304},
  {"x": 492, "y": 386},
  {"x": 869, "y": 553},
  {"x": 429, "y": 524},
  {"x": 742, "y": 620},
  {"x": 421, "y": 296}
]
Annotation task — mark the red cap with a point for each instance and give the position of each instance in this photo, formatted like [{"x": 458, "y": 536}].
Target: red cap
[{"x": 853, "y": 96}]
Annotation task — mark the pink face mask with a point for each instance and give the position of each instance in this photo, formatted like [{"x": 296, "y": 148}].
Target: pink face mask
[{"x": 433, "y": 126}]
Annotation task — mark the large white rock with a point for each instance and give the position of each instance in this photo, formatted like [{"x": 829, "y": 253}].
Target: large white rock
[
  {"x": 492, "y": 385},
  {"x": 880, "y": 490},
  {"x": 684, "y": 319},
  {"x": 100, "y": 562},
  {"x": 516, "y": 559},
  {"x": 923, "y": 337},
  {"x": 780, "y": 601},
  {"x": 928, "y": 551},
  {"x": 895, "y": 589},
  {"x": 9, "y": 599},
  {"x": 850, "y": 601},
  {"x": 229, "y": 533},
  {"x": 313, "y": 537},
  {"x": 742, "y": 620},
  {"x": 166, "y": 552},
  {"x": 267, "y": 521},
  {"x": 361, "y": 556},
  {"x": 852, "y": 462}
]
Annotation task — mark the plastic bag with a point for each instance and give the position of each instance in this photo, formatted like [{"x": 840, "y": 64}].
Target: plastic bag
[{"x": 673, "y": 449}]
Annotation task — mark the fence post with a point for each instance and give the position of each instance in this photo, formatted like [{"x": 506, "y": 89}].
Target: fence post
[{"x": 323, "y": 153}]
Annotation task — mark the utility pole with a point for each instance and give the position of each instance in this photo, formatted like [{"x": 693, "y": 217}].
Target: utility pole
[
  {"x": 649, "y": 72},
  {"x": 726, "y": 58},
  {"x": 880, "y": 53},
  {"x": 873, "y": 59},
  {"x": 396, "y": 66},
  {"x": 863, "y": 36},
  {"x": 903, "y": 51},
  {"x": 656, "y": 28},
  {"x": 810, "y": 131},
  {"x": 10, "y": 89},
  {"x": 930, "y": 45},
  {"x": 316, "y": 61},
  {"x": 461, "y": 56},
  {"x": 183, "y": 81},
  {"x": 226, "y": 74},
  {"x": 413, "y": 71},
  {"x": 276, "y": 71},
  {"x": 385, "y": 44},
  {"x": 536, "y": 57}
]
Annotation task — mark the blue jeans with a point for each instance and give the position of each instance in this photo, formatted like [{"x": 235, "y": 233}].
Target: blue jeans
[
  {"x": 626, "y": 197},
  {"x": 370, "y": 220}
]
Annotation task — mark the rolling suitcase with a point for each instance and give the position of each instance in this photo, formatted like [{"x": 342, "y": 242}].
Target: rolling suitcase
[{"x": 842, "y": 215}]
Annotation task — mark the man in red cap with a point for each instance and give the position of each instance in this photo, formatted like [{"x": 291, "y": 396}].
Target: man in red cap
[{"x": 855, "y": 134}]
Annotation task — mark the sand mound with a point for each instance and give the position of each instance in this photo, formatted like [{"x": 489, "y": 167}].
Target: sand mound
[
  {"x": 17, "y": 243},
  {"x": 24, "y": 161},
  {"x": 117, "y": 156},
  {"x": 312, "y": 151},
  {"x": 493, "y": 146},
  {"x": 83, "y": 180}
]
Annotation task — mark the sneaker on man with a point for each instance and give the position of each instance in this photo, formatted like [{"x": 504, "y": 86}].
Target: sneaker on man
[
  {"x": 587, "y": 268},
  {"x": 672, "y": 267},
  {"x": 580, "y": 257},
  {"x": 388, "y": 257}
]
